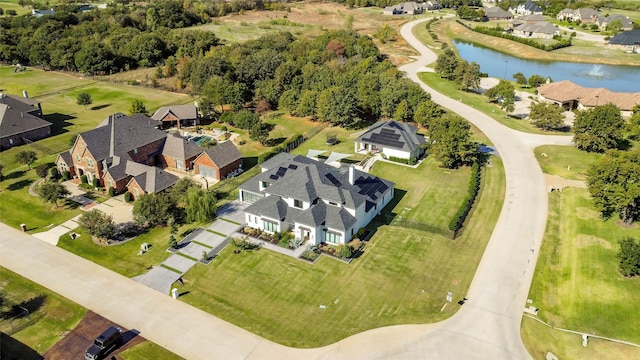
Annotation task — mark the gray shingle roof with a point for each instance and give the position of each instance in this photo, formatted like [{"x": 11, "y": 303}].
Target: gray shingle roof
[
  {"x": 130, "y": 132},
  {"x": 223, "y": 154},
  {"x": 540, "y": 28},
  {"x": 179, "y": 148},
  {"x": 19, "y": 103},
  {"x": 66, "y": 157},
  {"x": 405, "y": 134},
  {"x": 312, "y": 181},
  {"x": 631, "y": 37},
  {"x": 182, "y": 112},
  {"x": 272, "y": 207},
  {"x": 14, "y": 121},
  {"x": 154, "y": 179},
  {"x": 496, "y": 12}
]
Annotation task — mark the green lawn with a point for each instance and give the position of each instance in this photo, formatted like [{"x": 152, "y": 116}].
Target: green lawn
[
  {"x": 401, "y": 278},
  {"x": 124, "y": 258},
  {"x": 18, "y": 207},
  {"x": 576, "y": 284},
  {"x": 13, "y": 5},
  {"x": 479, "y": 102},
  {"x": 566, "y": 161},
  {"x": 148, "y": 351},
  {"x": 541, "y": 339},
  {"x": 346, "y": 143},
  {"x": 50, "y": 320}
]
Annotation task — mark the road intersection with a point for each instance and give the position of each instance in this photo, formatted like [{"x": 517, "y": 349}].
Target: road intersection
[{"x": 486, "y": 327}]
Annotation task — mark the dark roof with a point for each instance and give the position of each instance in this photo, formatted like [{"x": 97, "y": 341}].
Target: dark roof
[
  {"x": 531, "y": 6},
  {"x": 154, "y": 179},
  {"x": 496, "y": 12},
  {"x": 314, "y": 182},
  {"x": 129, "y": 133},
  {"x": 392, "y": 134},
  {"x": 182, "y": 112},
  {"x": 223, "y": 154},
  {"x": 630, "y": 37},
  {"x": 19, "y": 103},
  {"x": 14, "y": 122},
  {"x": 272, "y": 207},
  {"x": 66, "y": 157},
  {"x": 178, "y": 148}
]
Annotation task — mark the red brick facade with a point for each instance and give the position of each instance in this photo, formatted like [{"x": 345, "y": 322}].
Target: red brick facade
[
  {"x": 220, "y": 172},
  {"x": 135, "y": 189}
]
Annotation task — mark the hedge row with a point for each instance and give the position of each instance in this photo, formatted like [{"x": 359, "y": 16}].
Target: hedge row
[
  {"x": 410, "y": 161},
  {"x": 286, "y": 146},
  {"x": 474, "y": 186},
  {"x": 499, "y": 32}
]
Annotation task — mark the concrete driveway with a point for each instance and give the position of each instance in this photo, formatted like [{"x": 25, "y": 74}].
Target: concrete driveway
[{"x": 117, "y": 208}]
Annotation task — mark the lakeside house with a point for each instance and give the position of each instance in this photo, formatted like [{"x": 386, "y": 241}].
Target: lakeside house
[
  {"x": 317, "y": 202},
  {"x": 628, "y": 41},
  {"x": 20, "y": 121},
  {"x": 573, "y": 96},
  {"x": 130, "y": 153}
]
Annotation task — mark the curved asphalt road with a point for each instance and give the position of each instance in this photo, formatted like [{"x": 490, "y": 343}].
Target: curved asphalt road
[{"x": 486, "y": 327}]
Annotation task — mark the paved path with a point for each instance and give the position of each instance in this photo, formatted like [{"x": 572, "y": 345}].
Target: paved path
[{"x": 486, "y": 327}]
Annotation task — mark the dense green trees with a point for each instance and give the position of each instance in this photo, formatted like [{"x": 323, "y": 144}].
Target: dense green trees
[
  {"x": 546, "y": 116},
  {"x": 629, "y": 257},
  {"x": 446, "y": 64},
  {"x": 450, "y": 141},
  {"x": 599, "y": 128},
  {"x": 153, "y": 209},
  {"x": 98, "y": 224},
  {"x": 613, "y": 184}
]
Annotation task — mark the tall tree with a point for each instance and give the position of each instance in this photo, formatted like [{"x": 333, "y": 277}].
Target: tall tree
[
  {"x": 451, "y": 143},
  {"x": 446, "y": 64},
  {"x": 599, "y": 128},
  {"x": 546, "y": 116},
  {"x": 520, "y": 79},
  {"x": 84, "y": 99},
  {"x": 137, "y": 107},
  {"x": 613, "y": 184},
  {"x": 427, "y": 112},
  {"x": 51, "y": 192},
  {"x": 200, "y": 206},
  {"x": 98, "y": 224},
  {"x": 153, "y": 209},
  {"x": 26, "y": 157}
]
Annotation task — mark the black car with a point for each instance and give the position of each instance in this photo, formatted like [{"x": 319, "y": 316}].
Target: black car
[{"x": 109, "y": 340}]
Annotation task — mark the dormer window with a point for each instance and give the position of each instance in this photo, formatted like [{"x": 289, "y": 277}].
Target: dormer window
[
  {"x": 263, "y": 185},
  {"x": 297, "y": 203}
]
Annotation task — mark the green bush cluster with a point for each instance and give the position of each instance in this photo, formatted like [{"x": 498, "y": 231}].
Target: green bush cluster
[
  {"x": 474, "y": 186},
  {"x": 128, "y": 197},
  {"x": 288, "y": 145},
  {"x": 499, "y": 32},
  {"x": 66, "y": 175},
  {"x": 409, "y": 161},
  {"x": 83, "y": 179}
]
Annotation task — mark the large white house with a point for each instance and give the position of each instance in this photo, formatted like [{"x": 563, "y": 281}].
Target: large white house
[
  {"x": 393, "y": 139},
  {"x": 317, "y": 202}
]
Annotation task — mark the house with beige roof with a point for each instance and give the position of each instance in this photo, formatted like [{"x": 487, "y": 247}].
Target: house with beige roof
[{"x": 572, "y": 96}]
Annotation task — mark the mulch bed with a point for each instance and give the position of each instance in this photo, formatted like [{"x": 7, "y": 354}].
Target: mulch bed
[{"x": 75, "y": 343}]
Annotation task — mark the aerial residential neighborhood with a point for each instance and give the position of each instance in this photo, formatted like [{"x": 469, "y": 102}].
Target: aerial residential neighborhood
[{"x": 418, "y": 180}]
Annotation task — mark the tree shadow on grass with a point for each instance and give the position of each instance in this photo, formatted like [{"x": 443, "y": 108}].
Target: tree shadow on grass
[
  {"x": 15, "y": 175},
  {"x": 14, "y": 349},
  {"x": 19, "y": 185},
  {"x": 100, "y": 107},
  {"x": 59, "y": 122}
]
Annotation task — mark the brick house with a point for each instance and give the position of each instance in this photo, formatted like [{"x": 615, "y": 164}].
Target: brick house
[
  {"x": 218, "y": 161},
  {"x": 129, "y": 153}
]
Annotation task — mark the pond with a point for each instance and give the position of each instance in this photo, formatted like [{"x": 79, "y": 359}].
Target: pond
[{"x": 612, "y": 77}]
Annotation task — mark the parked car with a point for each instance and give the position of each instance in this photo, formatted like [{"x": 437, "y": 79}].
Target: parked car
[{"x": 108, "y": 341}]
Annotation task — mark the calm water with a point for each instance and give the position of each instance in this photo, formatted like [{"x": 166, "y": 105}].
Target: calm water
[{"x": 612, "y": 77}]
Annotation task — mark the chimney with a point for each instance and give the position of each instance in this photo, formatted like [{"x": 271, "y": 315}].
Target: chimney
[
  {"x": 25, "y": 94},
  {"x": 352, "y": 174}
]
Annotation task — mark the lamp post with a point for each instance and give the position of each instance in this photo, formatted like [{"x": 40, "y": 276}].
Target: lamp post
[
  {"x": 506, "y": 63},
  {"x": 205, "y": 181}
]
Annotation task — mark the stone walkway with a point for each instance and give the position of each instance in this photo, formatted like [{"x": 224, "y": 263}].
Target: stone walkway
[{"x": 210, "y": 241}]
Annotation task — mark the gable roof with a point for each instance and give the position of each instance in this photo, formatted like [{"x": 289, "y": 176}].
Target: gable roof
[
  {"x": 182, "y": 112},
  {"x": 392, "y": 134},
  {"x": 531, "y": 6},
  {"x": 121, "y": 135},
  {"x": 66, "y": 158},
  {"x": 587, "y": 13},
  {"x": 178, "y": 148},
  {"x": 496, "y": 12},
  {"x": 19, "y": 103},
  {"x": 630, "y": 37},
  {"x": 152, "y": 180},
  {"x": 532, "y": 17},
  {"x": 538, "y": 27},
  {"x": 625, "y": 23},
  {"x": 14, "y": 121},
  {"x": 223, "y": 154}
]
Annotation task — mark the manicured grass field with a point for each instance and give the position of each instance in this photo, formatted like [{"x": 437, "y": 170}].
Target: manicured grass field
[
  {"x": 124, "y": 258},
  {"x": 148, "y": 351},
  {"x": 50, "y": 320},
  {"x": 576, "y": 285},
  {"x": 558, "y": 159},
  {"x": 401, "y": 278}
]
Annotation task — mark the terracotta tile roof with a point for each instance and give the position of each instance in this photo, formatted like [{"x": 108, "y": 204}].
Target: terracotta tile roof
[{"x": 566, "y": 90}]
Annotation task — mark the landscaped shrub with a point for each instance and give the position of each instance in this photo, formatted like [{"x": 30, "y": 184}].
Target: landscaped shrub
[
  {"x": 41, "y": 170},
  {"x": 474, "y": 186},
  {"x": 53, "y": 173},
  {"x": 398, "y": 159},
  {"x": 94, "y": 182},
  {"x": 66, "y": 175},
  {"x": 112, "y": 191},
  {"x": 83, "y": 179},
  {"x": 128, "y": 197}
]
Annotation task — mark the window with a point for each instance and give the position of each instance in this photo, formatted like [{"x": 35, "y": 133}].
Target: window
[
  {"x": 250, "y": 197},
  {"x": 78, "y": 157},
  {"x": 135, "y": 192},
  {"x": 135, "y": 151},
  {"x": 111, "y": 184},
  {"x": 263, "y": 185},
  {"x": 332, "y": 237},
  {"x": 297, "y": 203},
  {"x": 269, "y": 226},
  {"x": 89, "y": 162}
]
